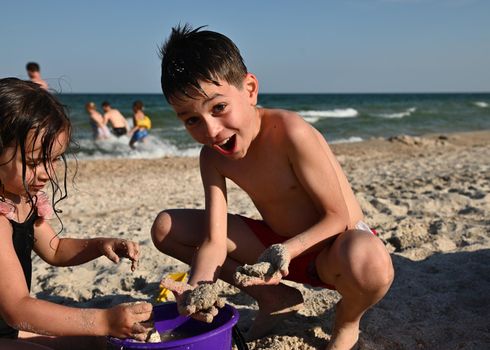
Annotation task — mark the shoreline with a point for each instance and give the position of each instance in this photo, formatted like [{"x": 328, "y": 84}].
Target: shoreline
[{"x": 458, "y": 138}]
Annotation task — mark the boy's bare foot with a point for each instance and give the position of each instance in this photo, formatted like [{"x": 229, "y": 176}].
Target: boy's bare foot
[
  {"x": 279, "y": 302},
  {"x": 345, "y": 338},
  {"x": 345, "y": 335}
]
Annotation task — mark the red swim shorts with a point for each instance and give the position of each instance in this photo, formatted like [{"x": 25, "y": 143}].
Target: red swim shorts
[{"x": 302, "y": 269}]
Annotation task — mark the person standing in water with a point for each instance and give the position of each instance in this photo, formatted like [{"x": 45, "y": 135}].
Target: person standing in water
[
  {"x": 119, "y": 124},
  {"x": 99, "y": 129}
]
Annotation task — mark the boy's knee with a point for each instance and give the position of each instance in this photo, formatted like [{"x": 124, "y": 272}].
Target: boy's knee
[
  {"x": 370, "y": 263},
  {"x": 377, "y": 271},
  {"x": 161, "y": 227}
]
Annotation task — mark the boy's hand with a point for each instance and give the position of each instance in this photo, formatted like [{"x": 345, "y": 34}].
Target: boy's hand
[
  {"x": 130, "y": 320},
  {"x": 115, "y": 248},
  {"x": 270, "y": 268},
  {"x": 200, "y": 302}
]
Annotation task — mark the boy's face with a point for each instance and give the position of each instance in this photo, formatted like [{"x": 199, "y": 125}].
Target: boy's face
[
  {"x": 32, "y": 74},
  {"x": 225, "y": 118}
]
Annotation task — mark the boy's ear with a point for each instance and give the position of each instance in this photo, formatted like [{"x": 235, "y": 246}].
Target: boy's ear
[{"x": 251, "y": 85}]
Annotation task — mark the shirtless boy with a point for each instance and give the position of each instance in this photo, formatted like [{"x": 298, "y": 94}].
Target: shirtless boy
[
  {"x": 116, "y": 119},
  {"x": 311, "y": 221},
  {"x": 34, "y": 72}
]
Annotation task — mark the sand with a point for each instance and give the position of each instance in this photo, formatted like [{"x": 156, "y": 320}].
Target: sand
[{"x": 428, "y": 198}]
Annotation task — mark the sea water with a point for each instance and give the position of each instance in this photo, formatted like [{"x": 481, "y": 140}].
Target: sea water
[{"x": 339, "y": 117}]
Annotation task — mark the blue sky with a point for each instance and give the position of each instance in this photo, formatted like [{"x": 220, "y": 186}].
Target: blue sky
[{"x": 292, "y": 46}]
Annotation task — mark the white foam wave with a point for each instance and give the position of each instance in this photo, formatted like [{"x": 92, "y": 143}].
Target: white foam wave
[
  {"x": 119, "y": 148},
  {"x": 348, "y": 140},
  {"x": 311, "y": 120},
  {"x": 481, "y": 104},
  {"x": 314, "y": 116},
  {"x": 399, "y": 115}
]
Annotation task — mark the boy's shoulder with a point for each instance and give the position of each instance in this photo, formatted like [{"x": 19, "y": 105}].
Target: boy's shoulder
[{"x": 283, "y": 122}]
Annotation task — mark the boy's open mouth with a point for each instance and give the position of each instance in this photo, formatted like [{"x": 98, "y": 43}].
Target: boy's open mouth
[{"x": 227, "y": 146}]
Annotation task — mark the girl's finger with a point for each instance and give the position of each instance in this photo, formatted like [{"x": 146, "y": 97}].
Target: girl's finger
[
  {"x": 142, "y": 308},
  {"x": 109, "y": 253},
  {"x": 132, "y": 250}
]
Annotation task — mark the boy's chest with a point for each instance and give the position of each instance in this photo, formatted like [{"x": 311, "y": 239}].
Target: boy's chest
[{"x": 265, "y": 178}]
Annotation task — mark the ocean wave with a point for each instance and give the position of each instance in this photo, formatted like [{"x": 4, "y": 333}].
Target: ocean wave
[
  {"x": 347, "y": 140},
  {"x": 398, "y": 115},
  {"x": 314, "y": 116},
  {"x": 119, "y": 148},
  {"x": 481, "y": 104}
]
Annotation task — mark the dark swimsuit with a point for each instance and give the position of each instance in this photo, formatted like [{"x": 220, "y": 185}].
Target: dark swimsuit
[
  {"x": 23, "y": 240},
  {"x": 119, "y": 131}
]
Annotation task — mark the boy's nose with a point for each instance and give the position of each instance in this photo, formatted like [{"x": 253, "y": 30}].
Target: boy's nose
[{"x": 213, "y": 127}]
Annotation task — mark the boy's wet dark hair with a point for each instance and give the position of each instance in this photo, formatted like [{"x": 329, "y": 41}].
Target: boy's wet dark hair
[
  {"x": 193, "y": 55},
  {"x": 28, "y": 110},
  {"x": 32, "y": 67},
  {"x": 105, "y": 104}
]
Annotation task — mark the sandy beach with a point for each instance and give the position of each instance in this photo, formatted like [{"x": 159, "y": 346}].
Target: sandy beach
[{"x": 427, "y": 197}]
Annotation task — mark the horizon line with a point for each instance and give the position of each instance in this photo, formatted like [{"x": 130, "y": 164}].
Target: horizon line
[{"x": 295, "y": 93}]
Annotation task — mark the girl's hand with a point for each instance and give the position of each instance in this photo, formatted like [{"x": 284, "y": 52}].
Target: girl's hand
[
  {"x": 130, "y": 320},
  {"x": 115, "y": 248},
  {"x": 200, "y": 302},
  {"x": 270, "y": 268}
]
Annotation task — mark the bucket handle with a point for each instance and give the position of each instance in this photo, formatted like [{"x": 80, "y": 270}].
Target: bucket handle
[{"x": 238, "y": 338}]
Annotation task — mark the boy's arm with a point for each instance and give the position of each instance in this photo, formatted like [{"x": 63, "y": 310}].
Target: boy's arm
[
  {"x": 314, "y": 168},
  {"x": 70, "y": 251},
  {"x": 212, "y": 253}
]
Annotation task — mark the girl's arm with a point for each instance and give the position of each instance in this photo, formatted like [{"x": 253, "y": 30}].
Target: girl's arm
[
  {"x": 212, "y": 253},
  {"x": 70, "y": 251},
  {"x": 21, "y": 311}
]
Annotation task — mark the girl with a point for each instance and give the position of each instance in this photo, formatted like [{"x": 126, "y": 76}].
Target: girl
[{"x": 34, "y": 134}]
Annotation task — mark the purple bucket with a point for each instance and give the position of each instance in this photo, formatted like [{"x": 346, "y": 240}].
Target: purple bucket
[{"x": 216, "y": 335}]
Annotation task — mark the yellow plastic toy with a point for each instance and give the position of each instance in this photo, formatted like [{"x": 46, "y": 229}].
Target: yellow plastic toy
[{"x": 166, "y": 294}]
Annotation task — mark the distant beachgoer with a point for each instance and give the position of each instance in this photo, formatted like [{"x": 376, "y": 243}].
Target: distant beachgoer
[
  {"x": 312, "y": 227},
  {"x": 141, "y": 122},
  {"x": 34, "y": 72},
  {"x": 119, "y": 124},
  {"x": 35, "y": 133},
  {"x": 99, "y": 129}
]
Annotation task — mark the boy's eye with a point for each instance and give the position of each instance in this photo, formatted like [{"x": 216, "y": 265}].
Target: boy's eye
[
  {"x": 191, "y": 121},
  {"x": 219, "y": 108}
]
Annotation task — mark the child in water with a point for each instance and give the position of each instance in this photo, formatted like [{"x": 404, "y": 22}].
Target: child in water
[
  {"x": 312, "y": 228},
  {"x": 141, "y": 122},
  {"x": 34, "y": 135},
  {"x": 99, "y": 129}
]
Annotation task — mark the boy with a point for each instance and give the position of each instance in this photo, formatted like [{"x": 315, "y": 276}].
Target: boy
[
  {"x": 119, "y": 124},
  {"x": 312, "y": 222},
  {"x": 34, "y": 73}
]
